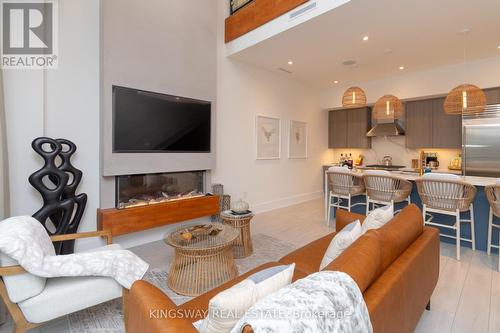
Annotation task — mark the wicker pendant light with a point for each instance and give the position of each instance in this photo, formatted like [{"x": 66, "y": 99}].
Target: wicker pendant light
[
  {"x": 354, "y": 97},
  {"x": 466, "y": 98},
  {"x": 388, "y": 107}
]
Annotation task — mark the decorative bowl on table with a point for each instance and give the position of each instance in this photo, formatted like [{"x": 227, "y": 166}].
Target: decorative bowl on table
[{"x": 240, "y": 207}]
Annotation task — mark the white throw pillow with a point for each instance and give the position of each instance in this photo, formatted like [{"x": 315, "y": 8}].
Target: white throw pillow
[
  {"x": 340, "y": 242},
  {"x": 377, "y": 218},
  {"x": 272, "y": 279},
  {"x": 227, "y": 307}
]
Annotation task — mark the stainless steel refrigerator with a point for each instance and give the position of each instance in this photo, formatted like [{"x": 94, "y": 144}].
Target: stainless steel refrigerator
[{"x": 481, "y": 143}]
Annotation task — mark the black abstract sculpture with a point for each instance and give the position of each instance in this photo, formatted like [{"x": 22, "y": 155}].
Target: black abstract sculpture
[{"x": 57, "y": 182}]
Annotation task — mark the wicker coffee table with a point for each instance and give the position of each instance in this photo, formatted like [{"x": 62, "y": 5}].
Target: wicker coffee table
[
  {"x": 202, "y": 263},
  {"x": 243, "y": 246}
]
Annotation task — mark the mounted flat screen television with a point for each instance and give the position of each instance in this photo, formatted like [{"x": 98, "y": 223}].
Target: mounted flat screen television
[{"x": 148, "y": 122}]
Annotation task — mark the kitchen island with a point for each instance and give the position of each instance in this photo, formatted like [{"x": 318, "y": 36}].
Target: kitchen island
[{"x": 481, "y": 207}]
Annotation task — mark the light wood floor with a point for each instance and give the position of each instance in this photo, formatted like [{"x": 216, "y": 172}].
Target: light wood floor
[{"x": 466, "y": 299}]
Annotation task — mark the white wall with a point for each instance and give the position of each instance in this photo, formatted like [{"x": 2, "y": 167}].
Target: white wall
[
  {"x": 484, "y": 73},
  {"x": 244, "y": 92},
  {"x": 160, "y": 46},
  {"x": 59, "y": 103}
]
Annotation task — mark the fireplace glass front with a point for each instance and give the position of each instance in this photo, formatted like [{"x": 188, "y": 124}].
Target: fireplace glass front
[{"x": 142, "y": 190}]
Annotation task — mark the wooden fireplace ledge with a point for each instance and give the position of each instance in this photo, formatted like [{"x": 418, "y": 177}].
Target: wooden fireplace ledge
[{"x": 128, "y": 220}]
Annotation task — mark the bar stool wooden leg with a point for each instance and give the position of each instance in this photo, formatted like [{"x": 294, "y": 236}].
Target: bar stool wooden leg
[
  {"x": 472, "y": 232},
  {"x": 457, "y": 217},
  {"x": 424, "y": 214},
  {"x": 490, "y": 231},
  {"x": 367, "y": 205},
  {"x": 349, "y": 203}
]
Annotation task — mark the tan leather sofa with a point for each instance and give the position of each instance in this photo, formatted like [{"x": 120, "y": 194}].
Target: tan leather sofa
[{"x": 396, "y": 267}]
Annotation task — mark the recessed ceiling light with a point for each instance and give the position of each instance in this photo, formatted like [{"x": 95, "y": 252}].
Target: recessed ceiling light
[
  {"x": 365, "y": 38},
  {"x": 290, "y": 62},
  {"x": 498, "y": 46},
  {"x": 401, "y": 67},
  {"x": 335, "y": 81}
]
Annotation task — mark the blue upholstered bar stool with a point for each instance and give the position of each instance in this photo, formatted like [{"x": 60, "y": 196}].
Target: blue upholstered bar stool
[
  {"x": 343, "y": 185},
  {"x": 493, "y": 195},
  {"x": 447, "y": 194}
]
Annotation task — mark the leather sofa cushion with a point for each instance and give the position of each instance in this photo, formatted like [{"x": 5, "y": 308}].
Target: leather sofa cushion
[
  {"x": 399, "y": 233},
  {"x": 361, "y": 260},
  {"x": 308, "y": 258},
  {"x": 343, "y": 218}
]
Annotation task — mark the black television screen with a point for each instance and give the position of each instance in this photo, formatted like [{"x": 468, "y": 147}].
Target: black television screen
[{"x": 150, "y": 122}]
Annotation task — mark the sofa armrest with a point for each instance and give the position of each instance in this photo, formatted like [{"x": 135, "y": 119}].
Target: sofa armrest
[
  {"x": 148, "y": 309},
  {"x": 343, "y": 218}
]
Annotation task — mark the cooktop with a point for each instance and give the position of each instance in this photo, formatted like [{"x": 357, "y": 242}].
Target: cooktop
[{"x": 381, "y": 166}]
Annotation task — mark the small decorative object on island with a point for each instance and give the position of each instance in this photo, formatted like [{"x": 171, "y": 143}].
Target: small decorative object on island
[
  {"x": 354, "y": 97},
  {"x": 240, "y": 207},
  {"x": 58, "y": 214}
]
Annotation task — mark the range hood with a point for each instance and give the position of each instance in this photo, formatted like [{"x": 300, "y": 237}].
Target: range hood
[{"x": 392, "y": 128}]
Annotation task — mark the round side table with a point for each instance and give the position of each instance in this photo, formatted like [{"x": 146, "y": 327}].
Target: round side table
[
  {"x": 243, "y": 245},
  {"x": 202, "y": 263}
]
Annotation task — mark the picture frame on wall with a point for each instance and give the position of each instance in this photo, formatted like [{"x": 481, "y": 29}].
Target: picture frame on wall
[
  {"x": 268, "y": 137},
  {"x": 297, "y": 139}
]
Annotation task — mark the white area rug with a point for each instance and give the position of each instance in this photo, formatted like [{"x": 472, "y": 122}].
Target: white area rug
[{"x": 108, "y": 317}]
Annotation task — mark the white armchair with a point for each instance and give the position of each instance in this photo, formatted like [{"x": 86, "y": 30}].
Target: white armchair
[{"x": 32, "y": 300}]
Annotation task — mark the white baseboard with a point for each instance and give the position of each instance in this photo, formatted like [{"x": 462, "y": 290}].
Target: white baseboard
[{"x": 285, "y": 202}]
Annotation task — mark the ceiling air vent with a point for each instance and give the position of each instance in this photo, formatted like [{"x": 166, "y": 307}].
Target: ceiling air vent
[
  {"x": 284, "y": 70},
  {"x": 303, "y": 10}
]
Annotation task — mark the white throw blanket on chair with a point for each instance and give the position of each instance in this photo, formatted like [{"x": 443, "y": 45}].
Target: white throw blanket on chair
[{"x": 25, "y": 240}]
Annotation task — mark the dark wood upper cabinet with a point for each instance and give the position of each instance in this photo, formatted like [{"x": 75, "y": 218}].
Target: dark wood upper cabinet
[
  {"x": 492, "y": 96},
  {"x": 446, "y": 129},
  {"x": 337, "y": 129},
  {"x": 347, "y": 128},
  {"x": 419, "y": 122},
  {"x": 358, "y": 124},
  {"x": 428, "y": 126}
]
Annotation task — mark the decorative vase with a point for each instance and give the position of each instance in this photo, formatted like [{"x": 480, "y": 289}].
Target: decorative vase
[{"x": 240, "y": 206}]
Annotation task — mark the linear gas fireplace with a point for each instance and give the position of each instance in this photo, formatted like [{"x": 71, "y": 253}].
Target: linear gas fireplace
[{"x": 148, "y": 189}]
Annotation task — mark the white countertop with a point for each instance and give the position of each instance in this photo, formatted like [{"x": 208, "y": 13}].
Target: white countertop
[{"x": 474, "y": 180}]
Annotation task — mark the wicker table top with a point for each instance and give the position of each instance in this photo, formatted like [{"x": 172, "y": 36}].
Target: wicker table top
[
  {"x": 230, "y": 214},
  {"x": 226, "y": 235}
]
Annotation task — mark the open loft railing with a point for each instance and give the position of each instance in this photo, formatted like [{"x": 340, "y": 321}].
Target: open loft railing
[
  {"x": 247, "y": 15},
  {"x": 235, "y": 5}
]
